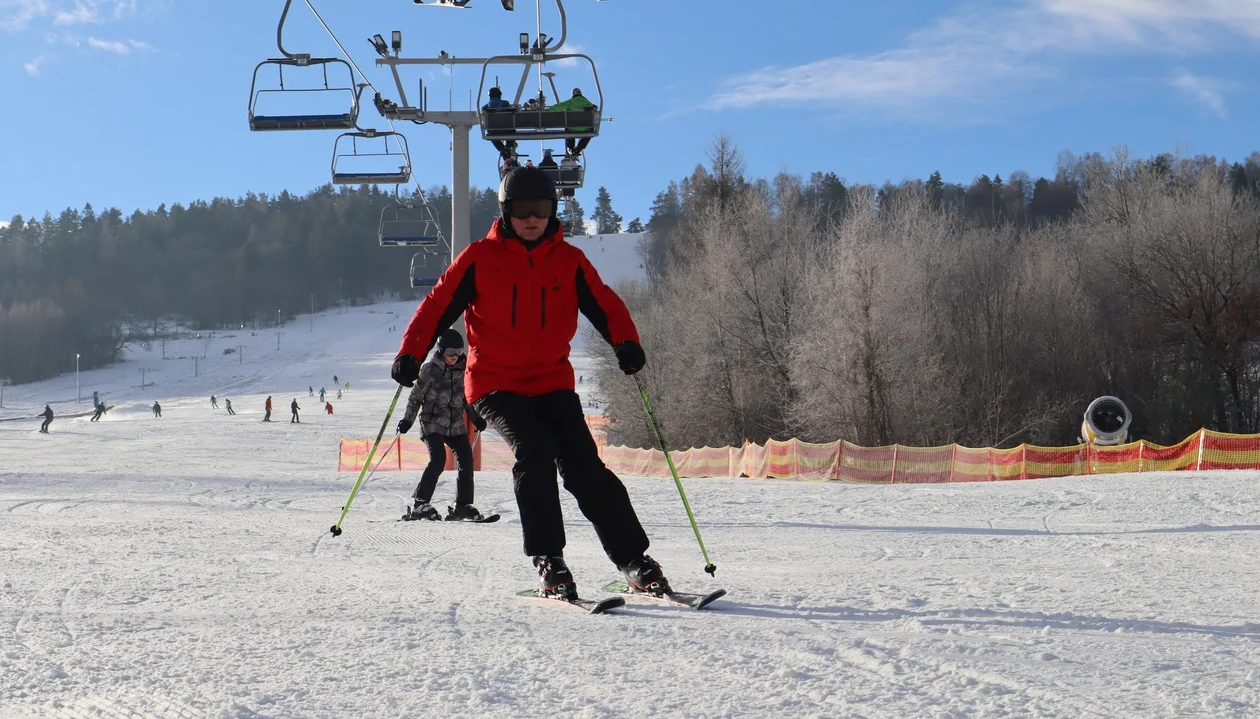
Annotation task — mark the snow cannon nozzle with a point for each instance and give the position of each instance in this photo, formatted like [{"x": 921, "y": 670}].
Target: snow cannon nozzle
[
  {"x": 711, "y": 569},
  {"x": 336, "y": 531}
]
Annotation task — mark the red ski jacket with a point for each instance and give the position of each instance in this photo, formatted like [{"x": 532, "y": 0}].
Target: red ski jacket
[{"x": 522, "y": 308}]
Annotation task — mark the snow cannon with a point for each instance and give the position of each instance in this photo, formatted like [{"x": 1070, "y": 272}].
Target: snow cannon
[{"x": 1106, "y": 422}]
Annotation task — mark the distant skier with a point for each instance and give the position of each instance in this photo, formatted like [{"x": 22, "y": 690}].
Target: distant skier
[
  {"x": 157, "y": 410},
  {"x": 47, "y": 414},
  {"x": 310, "y": 390},
  {"x": 228, "y": 402},
  {"x": 328, "y": 407},
  {"x": 520, "y": 378},
  {"x": 321, "y": 394},
  {"x": 100, "y": 411},
  {"x": 267, "y": 416},
  {"x": 336, "y": 381},
  {"x": 293, "y": 407},
  {"x": 214, "y": 403},
  {"x": 338, "y": 394},
  {"x": 438, "y": 397},
  {"x": 347, "y": 386}
]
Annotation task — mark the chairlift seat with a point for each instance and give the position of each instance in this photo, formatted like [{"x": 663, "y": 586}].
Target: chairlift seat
[
  {"x": 301, "y": 122},
  {"x": 565, "y": 177},
  {"x": 427, "y": 268},
  {"x": 371, "y": 178},
  {"x": 539, "y": 124},
  {"x": 410, "y": 227}
]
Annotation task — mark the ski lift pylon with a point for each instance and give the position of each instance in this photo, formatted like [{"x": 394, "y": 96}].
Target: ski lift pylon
[{"x": 357, "y": 166}]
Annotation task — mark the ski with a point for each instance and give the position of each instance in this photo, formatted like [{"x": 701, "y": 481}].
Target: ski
[
  {"x": 592, "y": 606},
  {"x": 484, "y": 520},
  {"x": 686, "y": 599}
]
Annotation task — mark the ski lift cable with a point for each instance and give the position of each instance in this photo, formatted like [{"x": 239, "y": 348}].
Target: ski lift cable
[{"x": 419, "y": 191}]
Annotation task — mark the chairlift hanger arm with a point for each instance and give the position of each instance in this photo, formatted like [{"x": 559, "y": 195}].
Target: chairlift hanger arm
[{"x": 301, "y": 58}]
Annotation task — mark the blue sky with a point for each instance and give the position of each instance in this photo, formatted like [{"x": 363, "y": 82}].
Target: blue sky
[{"x": 132, "y": 103}]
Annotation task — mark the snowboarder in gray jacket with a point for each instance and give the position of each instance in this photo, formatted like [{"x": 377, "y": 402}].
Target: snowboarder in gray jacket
[{"x": 438, "y": 398}]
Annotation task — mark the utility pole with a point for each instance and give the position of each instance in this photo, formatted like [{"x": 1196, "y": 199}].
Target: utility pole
[
  {"x": 196, "y": 369},
  {"x": 142, "y": 371},
  {"x": 312, "y": 312},
  {"x": 240, "y": 354},
  {"x": 277, "y": 318},
  {"x": 278, "y": 339},
  {"x": 3, "y": 382},
  {"x": 340, "y": 305},
  {"x": 78, "y": 395}
]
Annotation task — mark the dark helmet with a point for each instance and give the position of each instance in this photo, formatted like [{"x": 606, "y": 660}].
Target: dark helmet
[
  {"x": 577, "y": 91},
  {"x": 450, "y": 340},
  {"x": 525, "y": 183},
  {"x": 496, "y": 92}
]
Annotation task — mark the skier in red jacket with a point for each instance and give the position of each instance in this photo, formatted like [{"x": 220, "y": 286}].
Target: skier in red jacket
[{"x": 522, "y": 288}]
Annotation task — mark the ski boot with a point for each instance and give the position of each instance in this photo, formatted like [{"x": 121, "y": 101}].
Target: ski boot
[
  {"x": 554, "y": 578},
  {"x": 645, "y": 575},
  {"x": 424, "y": 510},
  {"x": 463, "y": 512}
]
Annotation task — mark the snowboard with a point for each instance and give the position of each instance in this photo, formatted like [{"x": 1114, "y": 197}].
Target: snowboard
[{"x": 686, "y": 599}]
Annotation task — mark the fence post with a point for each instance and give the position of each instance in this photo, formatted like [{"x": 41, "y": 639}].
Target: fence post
[
  {"x": 1141, "y": 444},
  {"x": 1023, "y": 461},
  {"x": 894, "y": 466},
  {"x": 1202, "y": 436},
  {"x": 953, "y": 460},
  {"x": 1089, "y": 458}
]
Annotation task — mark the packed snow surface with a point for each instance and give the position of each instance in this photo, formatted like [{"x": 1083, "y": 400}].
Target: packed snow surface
[{"x": 182, "y": 567}]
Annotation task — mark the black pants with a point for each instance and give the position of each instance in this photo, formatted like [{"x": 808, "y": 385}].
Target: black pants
[
  {"x": 44, "y": 427},
  {"x": 546, "y": 433},
  {"x": 437, "y": 444},
  {"x": 230, "y": 411},
  {"x": 267, "y": 416},
  {"x": 294, "y": 418}
]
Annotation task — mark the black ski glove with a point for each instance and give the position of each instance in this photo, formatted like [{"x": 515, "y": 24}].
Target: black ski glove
[
  {"x": 404, "y": 424},
  {"x": 479, "y": 423},
  {"x": 630, "y": 356},
  {"x": 406, "y": 370}
]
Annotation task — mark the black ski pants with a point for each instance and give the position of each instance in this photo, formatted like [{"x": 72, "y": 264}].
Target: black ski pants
[
  {"x": 549, "y": 432},
  {"x": 44, "y": 427},
  {"x": 462, "y": 449}
]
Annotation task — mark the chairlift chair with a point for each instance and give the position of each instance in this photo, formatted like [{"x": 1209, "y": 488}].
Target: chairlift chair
[
  {"x": 357, "y": 165},
  {"x": 410, "y": 226},
  {"x": 517, "y": 123},
  {"x": 567, "y": 178},
  {"x": 260, "y": 121},
  {"x": 427, "y": 268}
]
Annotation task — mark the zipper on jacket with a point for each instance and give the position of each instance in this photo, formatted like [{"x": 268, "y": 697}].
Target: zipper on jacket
[
  {"x": 544, "y": 308},
  {"x": 513, "y": 305}
]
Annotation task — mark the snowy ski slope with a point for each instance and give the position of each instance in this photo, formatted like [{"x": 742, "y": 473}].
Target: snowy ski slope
[{"x": 181, "y": 567}]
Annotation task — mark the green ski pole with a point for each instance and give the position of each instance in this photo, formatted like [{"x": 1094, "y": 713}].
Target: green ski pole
[
  {"x": 709, "y": 566},
  {"x": 336, "y": 528}
]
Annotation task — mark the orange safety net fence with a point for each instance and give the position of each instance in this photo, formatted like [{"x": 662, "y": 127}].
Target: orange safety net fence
[{"x": 848, "y": 462}]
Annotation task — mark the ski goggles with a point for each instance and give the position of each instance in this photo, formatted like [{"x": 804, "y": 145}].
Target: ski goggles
[
  {"x": 523, "y": 209},
  {"x": 453, "y": 351}
]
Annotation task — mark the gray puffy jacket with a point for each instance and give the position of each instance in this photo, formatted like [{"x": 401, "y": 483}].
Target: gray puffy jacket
[{"x": 438, "y": 396}]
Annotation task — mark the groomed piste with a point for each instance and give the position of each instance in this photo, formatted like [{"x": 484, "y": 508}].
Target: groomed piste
[{"x": 181, "y": 567}]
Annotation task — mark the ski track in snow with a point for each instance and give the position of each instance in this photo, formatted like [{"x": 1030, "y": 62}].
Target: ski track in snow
[{"x": 182, "y": 567}]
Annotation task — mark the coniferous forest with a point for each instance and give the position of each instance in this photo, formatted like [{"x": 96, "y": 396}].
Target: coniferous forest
[{"x": 922, "y": 312}]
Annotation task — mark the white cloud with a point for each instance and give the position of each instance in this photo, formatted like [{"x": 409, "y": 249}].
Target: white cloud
[
  {"x": 965, "y": 54},
  {"x": 81, "y": 15},
  {"x": 34, "y": 66},
  {"x": 15, "y": 15},
  {"x": 1205, "y": 91}
]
